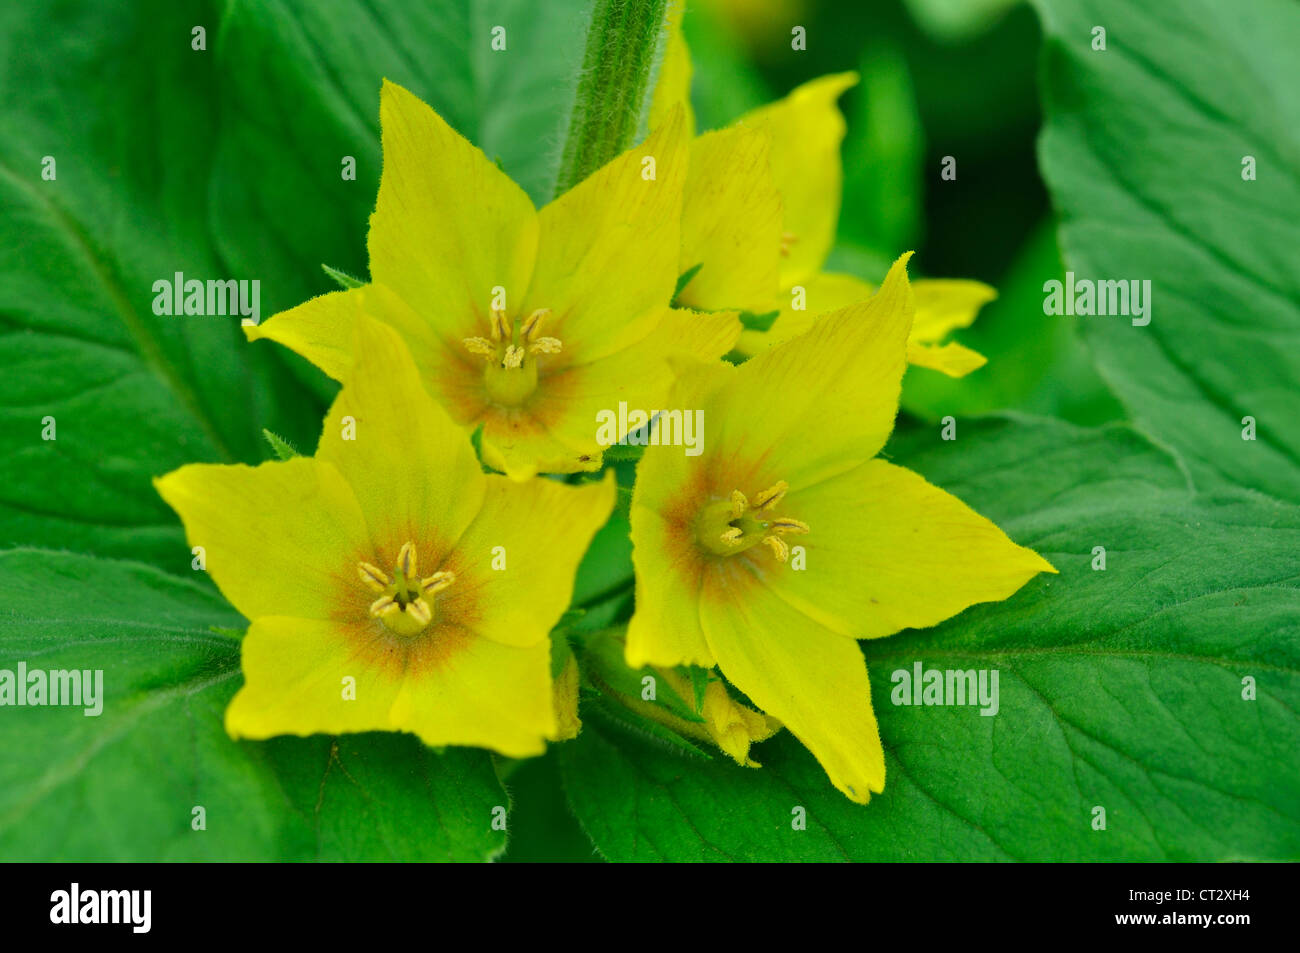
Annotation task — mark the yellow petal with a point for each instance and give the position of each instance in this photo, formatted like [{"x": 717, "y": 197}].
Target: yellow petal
[
  {"x": 946, "y": 304},
  {"x": 319, "y": 330},
  {"x": 819, "y": 403},
  {"x": 952, "y": 358},
  {"x": 294, "y": 672},
  {"x": 607, "y": 255},
  {"x": 411, "y": 468},
  {"x": 448, "y": 226},
  {"x": 484, "y": 694},
  {"x": 806, "y": 129},
  {"x": 462, "y": 691},
  {"x": 819, "y": 294},
  {"x": 567, "y": 722},
  {"x": 670, "y": 489},
  {"x": 673, "y": 86},
  {"x": 538, "y": 531},
  {"x": 731, "y": 222},
  {"x": 889, "y": 551},
  {"x": 278, "y": 539},
  {"x": 813, "y": 680},
  {"x": 942, "y": 305},
  {"x": 665, "y": 629}
]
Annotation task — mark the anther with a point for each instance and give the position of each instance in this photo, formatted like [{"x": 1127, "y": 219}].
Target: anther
[
  {"x": 480, "y": 346},
  {"x": 500, "y": 326},
  {"x": 545, "y": 346},
  {"x": 771, "y": 496},
  {"x": 432, "y": 585},
  {"x": 374, "y": 577},
  {"x": 533, "y": 324},
  {"x": 778, "y": 546}
]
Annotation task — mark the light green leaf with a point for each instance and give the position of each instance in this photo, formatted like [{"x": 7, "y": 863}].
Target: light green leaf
[
  {"x": 123, "y": 785},
  {"x": 1143, "y": 150},
  {"x": 282, "y": 449},
  {"x": 1120, "y": 689}
]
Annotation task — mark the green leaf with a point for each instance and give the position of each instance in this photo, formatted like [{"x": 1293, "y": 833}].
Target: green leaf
[
  {"x": 282, "y": 448},
  {"x": 699, "y": 684},
  {"x": 1143, "y": 151},
  {"x": 602, "y": 656},
  {"x": 131, "y": 394},
  {"x": 122, "y": 786},
  {"x": 342, "y": 278},
  {"x": 1120, "y": 688}
]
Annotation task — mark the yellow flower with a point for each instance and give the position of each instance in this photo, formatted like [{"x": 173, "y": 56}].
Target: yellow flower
[
  {"x": 785, "y": 541},
  {"x": 728, "y": 724},
  {"x": 528, "y": 323},
  {"x": 758, "y": 218},
  {"x": 389, "y": 583}
]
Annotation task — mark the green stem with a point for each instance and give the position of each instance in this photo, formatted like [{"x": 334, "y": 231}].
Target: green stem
[{"x": 622, "y": 42}]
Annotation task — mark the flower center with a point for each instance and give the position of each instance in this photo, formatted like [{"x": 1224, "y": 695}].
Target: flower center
[
  {"x": 405, "y": 603},
  {"x": 511, "y": 355},
  {"x": 731, "y": 526}
]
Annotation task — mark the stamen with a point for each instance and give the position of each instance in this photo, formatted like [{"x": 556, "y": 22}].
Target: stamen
[
  {"x": 500, "y": 326},
  {"x": 731, "y": 526},
  {"x": 784, "y": 524},
  {"x": 406, "y": 560},
  {"x": 533, "y": 324},
  {"x": 787, "y": 241},
  {"x": 545, "y": 346},
  {"x": 771, "y": 496},
  {"x": 419, "y": 612},
  {"x": 514, "y": 357},
  {"x": 439, "y": 581},
  {"x": 778, "y": 546},
  {"x": 405, "y": 606},
  {"x": 374, "y": 577},
  {"x": 480, "y": 346}
]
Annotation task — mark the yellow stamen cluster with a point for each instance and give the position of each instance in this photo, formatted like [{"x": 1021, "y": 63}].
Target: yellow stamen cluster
[
  {"x": 738, "y": 523},
  {"x": 787, "y": 243},
  {"x": 405, "y": 603},
  {"x": 510, "y": 344}
]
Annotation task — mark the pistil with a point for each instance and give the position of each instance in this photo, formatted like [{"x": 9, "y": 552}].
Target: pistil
[
  {"x": 734, "y": 525},
  {"x": 406, "y": 602}
]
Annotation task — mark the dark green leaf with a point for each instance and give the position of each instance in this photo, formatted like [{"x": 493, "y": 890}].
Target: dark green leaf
[{"x": 122, "y": 786}]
